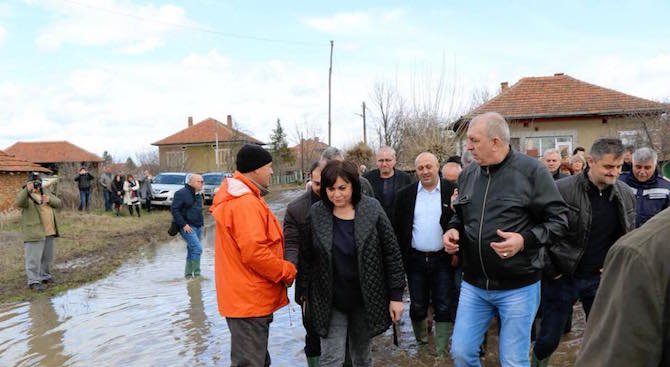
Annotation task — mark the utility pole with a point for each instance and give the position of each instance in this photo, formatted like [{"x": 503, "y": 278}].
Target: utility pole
[
  {"x": 365, "y": 134},
  {"x": 365, "y": 131},
  {"x": 330, "y": 77}
]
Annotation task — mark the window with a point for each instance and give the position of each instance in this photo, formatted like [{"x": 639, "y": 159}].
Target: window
[
  {"x": 223, "y": 158},
  {"x": 175, "y": 159},
  {"x": 536, "y": 146}
]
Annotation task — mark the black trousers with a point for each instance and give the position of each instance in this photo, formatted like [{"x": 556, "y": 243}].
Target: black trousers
[{"x": 248, "y": 340}]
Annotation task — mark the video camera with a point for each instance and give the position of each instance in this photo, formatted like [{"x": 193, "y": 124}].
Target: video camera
[{"x": 36, "y": 180}]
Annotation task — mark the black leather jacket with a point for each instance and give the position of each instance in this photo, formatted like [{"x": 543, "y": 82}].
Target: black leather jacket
[
  {"x": 516, "y": 195},
  {"x": 566, "y": 252}
]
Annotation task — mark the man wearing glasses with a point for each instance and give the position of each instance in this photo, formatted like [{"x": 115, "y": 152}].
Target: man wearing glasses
[{"x": 386, "y": 181}]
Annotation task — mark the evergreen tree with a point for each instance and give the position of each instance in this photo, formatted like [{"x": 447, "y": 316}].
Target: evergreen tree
[
  {"x": 280, "y": 151},
  {"x": 107, "y": 158},
  {"x": 130, "y": 165}
]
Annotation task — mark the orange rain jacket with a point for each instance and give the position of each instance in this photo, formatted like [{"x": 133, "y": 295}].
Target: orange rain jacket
[{"x": 250, "y": 270}]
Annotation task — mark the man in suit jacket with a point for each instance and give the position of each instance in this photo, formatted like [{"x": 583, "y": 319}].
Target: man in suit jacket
[
  {"x": 422, "y": 213},
  {"x": 386, "y": 180}
]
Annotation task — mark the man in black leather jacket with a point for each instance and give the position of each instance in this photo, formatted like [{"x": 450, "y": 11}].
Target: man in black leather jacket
[
  {"x": 507, "y": 210},
  {"x": 601, "y": 209}
]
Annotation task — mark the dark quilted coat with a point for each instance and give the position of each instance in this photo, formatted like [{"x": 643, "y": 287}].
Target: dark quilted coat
[{"x": 379, "y": 261}]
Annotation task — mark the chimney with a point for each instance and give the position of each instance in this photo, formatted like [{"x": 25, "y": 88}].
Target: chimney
[
  {"x": 559, "y": 74},
  {"x": 229, "y": 121},
  {"x": 190, "y": 121},
  {"x": 504, "y": 86}
]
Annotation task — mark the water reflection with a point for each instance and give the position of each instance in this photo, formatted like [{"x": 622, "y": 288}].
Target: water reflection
[{"x": 45, "y": 337}]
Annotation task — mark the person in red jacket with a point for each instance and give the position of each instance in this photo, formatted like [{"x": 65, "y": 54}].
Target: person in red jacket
[{"x": 250, "y": 271}]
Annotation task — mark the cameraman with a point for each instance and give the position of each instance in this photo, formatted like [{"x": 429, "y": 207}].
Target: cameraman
[
  {"x": 39, "y": 226},
  {"x": 84, "y": 180}
]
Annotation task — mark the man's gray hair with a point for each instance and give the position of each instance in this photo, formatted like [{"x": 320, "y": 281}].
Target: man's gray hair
[
  {"x": 551, "y": 151},
  {"x": 386, "y": 148},
  {"x": 645, "y": 155},
  {"x": 466, "y": 158},
  {"x": 496, "y": 126},
  {"x": 602, "y": 146},
  {"x": 331, "y": 153}
]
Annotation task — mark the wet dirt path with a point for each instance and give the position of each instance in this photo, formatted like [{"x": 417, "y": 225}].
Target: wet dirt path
[{"x": 147, "y": 314}]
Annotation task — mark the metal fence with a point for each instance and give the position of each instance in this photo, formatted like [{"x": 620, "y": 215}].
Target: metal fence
[{"x": 296, "y": 177}]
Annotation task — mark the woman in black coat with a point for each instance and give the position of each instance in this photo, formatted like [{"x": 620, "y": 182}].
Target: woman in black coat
[
  {"x": 117, "y": 193},
  {"x": 352, "y": 272}
]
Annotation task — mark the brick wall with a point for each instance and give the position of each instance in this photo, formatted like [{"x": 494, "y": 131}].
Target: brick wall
[{"x": 10, "y": 183}]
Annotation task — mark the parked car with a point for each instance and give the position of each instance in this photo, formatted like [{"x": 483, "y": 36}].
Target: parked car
[
  {"x": 212, "y": 182},
  {"x": 165, "y": 185}
]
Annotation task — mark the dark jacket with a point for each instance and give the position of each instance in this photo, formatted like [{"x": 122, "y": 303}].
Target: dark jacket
[
  {"x": 84, "y": 181},
  {"x": 379, "y": 262},
  {"x": 558, "y": 175},
  {"x": 516, "y": 195},
  {"x": 296, "y": 230},
  {"x": 401, "y": 180},
  {"x": 187, "y": 208},
  {"x": 629, "y": 323},
  {"x": 652, "y": 196},
  {"x": 566, "y": 252},
  {"x": 405, "y": 204}
]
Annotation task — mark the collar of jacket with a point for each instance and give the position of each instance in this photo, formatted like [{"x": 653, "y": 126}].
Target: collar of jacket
[
  {"x": 364, "y": 221},
  {"x": 584, "y": 181},
  {"x": 650, "y": 183},
  {"x": 491, "y": 169},
  {"x": 250, "y": 184}
]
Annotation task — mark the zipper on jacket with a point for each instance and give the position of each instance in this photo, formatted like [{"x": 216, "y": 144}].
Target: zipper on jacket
[{"x": 481, "y": 225}]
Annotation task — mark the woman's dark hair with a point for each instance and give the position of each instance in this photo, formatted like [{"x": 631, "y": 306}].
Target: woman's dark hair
[{"x": 345, "y": 170}]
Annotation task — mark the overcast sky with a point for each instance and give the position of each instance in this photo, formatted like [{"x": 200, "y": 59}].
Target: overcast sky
[{"x": 118, "y": 75}]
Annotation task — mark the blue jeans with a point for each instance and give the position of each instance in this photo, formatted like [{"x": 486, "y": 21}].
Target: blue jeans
[
  {"x": 476, "y": 308},
  {"x": 430, "y": 278},
  {"x": 107, "y": 196},
  {"x": 559, "y": 295},
  {"x": 193, "y": 245},
  {"x": 84, "y": 198}
]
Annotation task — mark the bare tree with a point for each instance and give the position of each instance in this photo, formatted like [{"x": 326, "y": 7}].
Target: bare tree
[
  {"x": 148, "y": 159},
  {"x": 388, "y": 112},
  {"x": 307, "y": 138},
  {"x": 360, "y": 153}
]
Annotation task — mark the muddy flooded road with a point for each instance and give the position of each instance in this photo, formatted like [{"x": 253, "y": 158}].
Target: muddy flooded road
[{"x": 147, "y": 314}]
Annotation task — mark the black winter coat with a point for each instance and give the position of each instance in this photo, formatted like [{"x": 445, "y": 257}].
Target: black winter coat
[
  {"x": 379, "y": 262},
  {"x": 296, "y": 231},
  {"x": 517, "y": 195},
  {"x": 187, "y": 208},
  {"x": 566, "y": 252},
  {"x": 402, "y": 179}
]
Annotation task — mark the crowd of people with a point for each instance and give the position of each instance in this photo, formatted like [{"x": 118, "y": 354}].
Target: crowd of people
[
  {"x": 492, "y": 234},
  {"x": 119, "y": 190}
]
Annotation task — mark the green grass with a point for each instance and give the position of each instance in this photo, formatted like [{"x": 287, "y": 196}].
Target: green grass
[{"x": 97, "y": 241}]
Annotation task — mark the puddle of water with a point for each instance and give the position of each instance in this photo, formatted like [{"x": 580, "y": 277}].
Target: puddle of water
[{"x": 146, "y": 314}]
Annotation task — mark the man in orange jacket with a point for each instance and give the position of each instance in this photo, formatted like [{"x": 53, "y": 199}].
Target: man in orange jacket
[{"x": 251, "y": 273}]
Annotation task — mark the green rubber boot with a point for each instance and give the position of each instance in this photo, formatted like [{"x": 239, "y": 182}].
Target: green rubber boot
[
  {"x": 188, "y": 272},
  {"x": 196, "y": 268},
  {"x": 534, "y": 362},
  {"x": 420, "y": 331},
  {"x": 312, "y": 361},
  {"x": 442, "y": 332}
]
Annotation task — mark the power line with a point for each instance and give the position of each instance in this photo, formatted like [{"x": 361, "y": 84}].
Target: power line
[{"x": 194, "y": 28}]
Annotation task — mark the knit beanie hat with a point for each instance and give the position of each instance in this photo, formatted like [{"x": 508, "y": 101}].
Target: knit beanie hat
[{"x": 252, "y": 157}]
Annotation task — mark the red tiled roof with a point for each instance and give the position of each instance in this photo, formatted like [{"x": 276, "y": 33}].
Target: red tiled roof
[
  {"x": 310, "y": 145},
  {"x": 562, "y": 95},
  {"x": 51, "y": 152},
  {"x": 9, "y": 163},
  {"x": 206, "y": 131}
]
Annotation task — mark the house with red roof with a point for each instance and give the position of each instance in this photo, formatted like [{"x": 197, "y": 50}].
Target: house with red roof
[
  {"x": 306, "y": 152},
  {"x": 54, "y": 155},
  {"x": 207, "y": 146},
  {"x": 13, "y": 175},
  {"x": 561, "y": 112}
]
